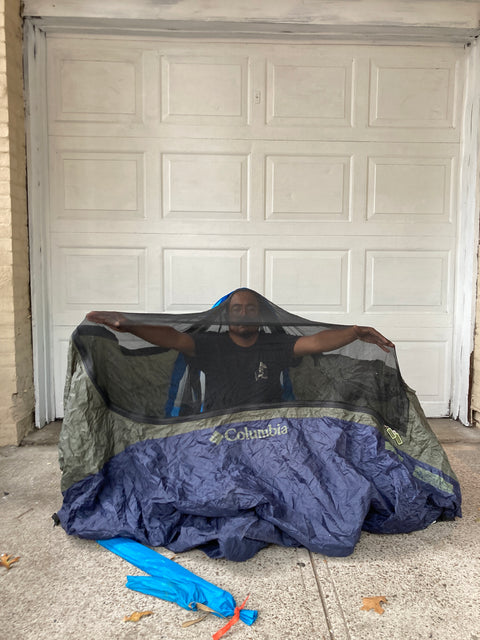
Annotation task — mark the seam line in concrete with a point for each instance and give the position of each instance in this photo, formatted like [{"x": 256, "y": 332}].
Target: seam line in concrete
[{"x": 323, "y": 600}]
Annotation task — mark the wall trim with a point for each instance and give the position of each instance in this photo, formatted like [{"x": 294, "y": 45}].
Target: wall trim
[
  {"x": 37, "y": 184},
  {"x": 467, "y": 245},
  {"x": 456, "y": 14}
]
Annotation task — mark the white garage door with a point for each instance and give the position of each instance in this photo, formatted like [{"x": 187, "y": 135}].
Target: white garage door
[{"x": 323, "y": 176}]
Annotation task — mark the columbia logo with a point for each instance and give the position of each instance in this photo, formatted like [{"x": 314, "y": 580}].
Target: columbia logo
[
  {"x": 394, "y": 435},
  {"x": 216, "y": 437}
]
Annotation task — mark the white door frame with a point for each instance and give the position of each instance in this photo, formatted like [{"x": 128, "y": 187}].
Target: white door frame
[
  {"x": 38, "y": 203},
  {"x": 466, "y": 269},
  {"x": 38, "y": 198}
]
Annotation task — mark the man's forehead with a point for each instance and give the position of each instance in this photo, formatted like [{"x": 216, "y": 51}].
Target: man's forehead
[{"x": 244, "y": 297}]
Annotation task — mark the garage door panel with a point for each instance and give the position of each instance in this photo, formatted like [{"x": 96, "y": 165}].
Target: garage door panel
[
  {"x": 195, "y": 278},
  {"x": 99, "y": 185},
  {"x": 413, "y": 93},
  {"x": 112, "y": 86},
  {"x": 407, "y": 281},
  {"x": 95, "y": 84},
  {"x": 410, "y": 189},
  {"x": 308, "y": 280},
  {"x": 61, "y": 341},
  {"x": 89, "y": 277},
  {"x": 316, "y": 94},
  {"x": 201, "y": 90},
  {"x": 126, "y": 185},
  {"x": 425, "y": 365},
  {"x": 308, "y": 187},
  {"x": 203, "y": 227},
  {"x": 205, "y": 186}
]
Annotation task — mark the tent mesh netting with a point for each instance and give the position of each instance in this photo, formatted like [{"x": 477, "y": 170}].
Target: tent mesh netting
[{"x": 234, "y": 448}]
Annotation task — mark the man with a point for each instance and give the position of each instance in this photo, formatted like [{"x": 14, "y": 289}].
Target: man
[{"x": 244, "y": 365}]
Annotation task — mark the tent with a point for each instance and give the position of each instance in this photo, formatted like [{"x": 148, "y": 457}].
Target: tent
[{"x": 145, "y": 453}]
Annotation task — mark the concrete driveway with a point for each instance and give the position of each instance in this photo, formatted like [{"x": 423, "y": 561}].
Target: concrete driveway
[{"x": 62, "y": 587}]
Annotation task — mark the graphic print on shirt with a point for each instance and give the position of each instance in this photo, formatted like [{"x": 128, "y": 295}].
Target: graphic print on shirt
[{"x": 262, "y": 372}]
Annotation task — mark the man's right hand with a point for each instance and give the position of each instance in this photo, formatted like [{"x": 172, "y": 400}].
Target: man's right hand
[
  {"x": 112, "y": 319},
  {"x": 163, "y": 336}
]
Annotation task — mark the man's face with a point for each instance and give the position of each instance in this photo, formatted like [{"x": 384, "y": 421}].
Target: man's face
[{"x": 243, "y": 307}]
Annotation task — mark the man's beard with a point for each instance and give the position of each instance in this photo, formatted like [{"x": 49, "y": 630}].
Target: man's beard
[{"x": 245, "y": 331}]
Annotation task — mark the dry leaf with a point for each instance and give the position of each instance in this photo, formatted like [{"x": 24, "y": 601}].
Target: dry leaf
[
  {"x": 374, "y": 603},
  {"x": 7, "y": 561},
  {"x": 203, "y": 607},
  {"x": 136, "y": 615},
  {"x": 188, "y": 623}
]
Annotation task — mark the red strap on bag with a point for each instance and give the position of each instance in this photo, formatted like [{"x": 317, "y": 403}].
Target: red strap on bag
[{"x": 233, "y": 620}]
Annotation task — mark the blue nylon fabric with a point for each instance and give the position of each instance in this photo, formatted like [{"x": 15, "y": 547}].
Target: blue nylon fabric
[
  {"x": 170, "y": 581},
  {"x": 312, "y": 482},
  {"x": 222, "y": 299},
  {"x": 178, "y": 371}
]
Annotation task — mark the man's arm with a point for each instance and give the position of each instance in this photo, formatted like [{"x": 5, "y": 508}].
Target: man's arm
[
  {"x": 332, "y": 339},
  {"x": 166, "y": 337}
]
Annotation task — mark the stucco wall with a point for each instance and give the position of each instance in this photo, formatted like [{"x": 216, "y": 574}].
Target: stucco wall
[{"x": 16, "y": 384}]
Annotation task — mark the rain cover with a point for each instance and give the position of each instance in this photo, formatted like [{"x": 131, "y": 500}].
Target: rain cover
[{"x": 153, "y": 450}]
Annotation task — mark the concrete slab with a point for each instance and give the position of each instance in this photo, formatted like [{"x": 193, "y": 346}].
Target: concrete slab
[
  {"x": 448, "y": 430},
  {"x": 71, "y": 588},
  {"x": 430, "y": 578},
  {"x": 48, "y": 434},
  {"x": 63, "y": 587}
]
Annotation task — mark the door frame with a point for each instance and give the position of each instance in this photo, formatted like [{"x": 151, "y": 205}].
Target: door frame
[
  {"x": 35, "y": 33},
  {"x": 466, "y": 268},
  {"x": 38, "y": 203}
]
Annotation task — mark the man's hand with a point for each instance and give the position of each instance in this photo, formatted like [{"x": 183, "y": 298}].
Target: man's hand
[
  {"x": 112, "y": 319},
  {"x": 369, "y": 334},
  {"x": 166, "y": 337},
  {"x": 333, "y": 339}
]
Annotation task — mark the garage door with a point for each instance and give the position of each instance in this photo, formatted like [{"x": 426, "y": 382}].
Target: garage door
[{"x": 323, "y": 176}]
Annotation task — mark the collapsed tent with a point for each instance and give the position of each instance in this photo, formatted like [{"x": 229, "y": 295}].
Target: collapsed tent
[{"x": 158, "y": 447}]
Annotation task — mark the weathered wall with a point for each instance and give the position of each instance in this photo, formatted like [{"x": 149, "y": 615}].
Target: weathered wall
[
  {"x": 16, "y": 384},
  {"x": 475, "y": 396},
  {"x": 434, "y": 17}
]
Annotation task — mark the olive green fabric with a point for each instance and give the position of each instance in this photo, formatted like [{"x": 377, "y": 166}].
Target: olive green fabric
[{"x": 93, "y": 432}]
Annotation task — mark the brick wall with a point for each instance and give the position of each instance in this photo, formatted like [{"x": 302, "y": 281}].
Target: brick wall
[{"x": 16, "y": 384}]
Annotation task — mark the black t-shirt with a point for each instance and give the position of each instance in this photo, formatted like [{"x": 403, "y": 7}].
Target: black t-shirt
[{"x": 241, "y": 376}]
